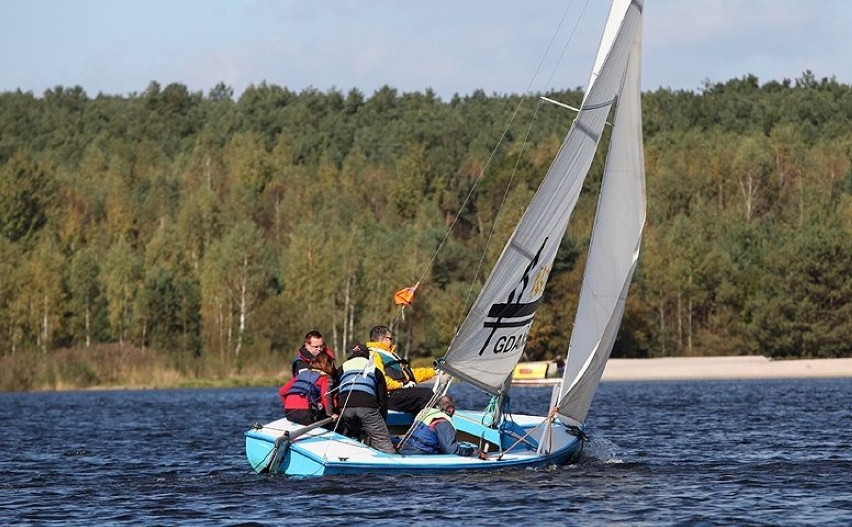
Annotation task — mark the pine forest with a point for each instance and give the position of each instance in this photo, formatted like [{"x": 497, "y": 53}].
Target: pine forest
[{"x": 170, "y": 237}]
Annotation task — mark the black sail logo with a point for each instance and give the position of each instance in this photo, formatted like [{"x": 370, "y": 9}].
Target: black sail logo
[{"x": 513, "y": 313}]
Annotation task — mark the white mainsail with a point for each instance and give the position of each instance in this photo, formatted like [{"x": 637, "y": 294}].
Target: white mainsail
[{"x": 492, "y": 338}]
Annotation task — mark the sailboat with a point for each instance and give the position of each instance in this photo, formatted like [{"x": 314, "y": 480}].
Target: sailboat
[{"x": 491, "y": 340}]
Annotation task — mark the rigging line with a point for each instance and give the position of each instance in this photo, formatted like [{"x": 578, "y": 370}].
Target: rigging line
[
  {"x": 436, "y": 394},
  {"x": 547, "y": 420},
  {"x": 493, "y": 153},
  {"x": 401, "y": 314},
  {"x": 567, "y": 42},
  {"x": 417, "y": 419},
  {"x": 340, "y": 415},
  {"x": 263, "y": 461},
  {"x": 525, "y": 140},
  {"x": 271, "y": 428}
]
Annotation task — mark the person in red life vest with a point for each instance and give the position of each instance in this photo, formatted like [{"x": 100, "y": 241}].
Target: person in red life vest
[
  {"x": 403, "y": 395},
  {"x": 313, "y": 346},
  {"x": 363, "y": 400},
  {"x": 435, "y": 433},
  {"x": 307, "y": 397}
]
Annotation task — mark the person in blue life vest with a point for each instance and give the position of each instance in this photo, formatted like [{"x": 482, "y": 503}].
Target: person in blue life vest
[
  {"x": 363, "y": 399},
  {"x": 313, "y": 346},
  {"x": 308, "y": 397},
  {"x": 435, "y": 433},
  {"x": 403, "y": 394}
]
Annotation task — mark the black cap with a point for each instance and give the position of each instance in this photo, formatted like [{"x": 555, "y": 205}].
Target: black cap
[{"x": 359, "y": 350}]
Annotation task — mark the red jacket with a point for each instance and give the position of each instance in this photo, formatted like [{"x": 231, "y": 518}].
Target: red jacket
[{"x": 295, "y": 395}]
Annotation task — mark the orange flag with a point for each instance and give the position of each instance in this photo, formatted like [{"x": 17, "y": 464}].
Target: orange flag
[{"x": 405, "y": 296}]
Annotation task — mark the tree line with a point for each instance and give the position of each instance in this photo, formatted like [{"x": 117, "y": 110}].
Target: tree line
[{"x": 217, "y": 230}]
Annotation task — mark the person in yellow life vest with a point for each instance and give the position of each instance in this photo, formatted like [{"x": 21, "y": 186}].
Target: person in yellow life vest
[
  {"x": 403, "y": 395},
  {"x": 435, "y": 433}
]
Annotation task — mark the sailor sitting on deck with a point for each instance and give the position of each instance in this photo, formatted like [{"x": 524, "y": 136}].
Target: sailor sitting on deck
[{"x": 435, "y": 433}]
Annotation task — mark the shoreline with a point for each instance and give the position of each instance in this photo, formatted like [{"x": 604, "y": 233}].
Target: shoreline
[{"x": 724, "y": 368}]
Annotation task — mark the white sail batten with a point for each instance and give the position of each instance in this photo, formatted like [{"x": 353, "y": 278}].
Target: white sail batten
[
  {"x": 492, "y": 338},
  {"x": 614, "y": 248}
]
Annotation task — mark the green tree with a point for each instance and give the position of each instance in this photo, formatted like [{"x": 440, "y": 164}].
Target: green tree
[
  {"x": 752, "y": 165},
  {"x": 234, "y": 282},
  {"x": 85, "y": 302},
  {"x": 169, "y": 299},
  {"x": 43, "y": 274},
  {"x": 803, "y": 308},
  {"x": 25, "y": 197},
  {"x": 121, "y": 281},
  {"x": 11, "y": 314}
]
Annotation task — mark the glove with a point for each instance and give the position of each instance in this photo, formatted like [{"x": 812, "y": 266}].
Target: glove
[{"x": 409, "y": 384}]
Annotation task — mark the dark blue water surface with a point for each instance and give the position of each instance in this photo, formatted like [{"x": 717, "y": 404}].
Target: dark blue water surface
[{"x": 662, "y": 453}]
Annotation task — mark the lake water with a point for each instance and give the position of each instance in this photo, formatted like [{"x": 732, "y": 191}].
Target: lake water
[{"x": 661, "y": 453}]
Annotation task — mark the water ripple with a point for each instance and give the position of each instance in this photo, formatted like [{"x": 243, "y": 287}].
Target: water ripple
[{"x": 669, "y": 453}]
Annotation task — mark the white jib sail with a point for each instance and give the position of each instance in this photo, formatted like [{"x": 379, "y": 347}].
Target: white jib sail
[
  {"x": 614, "y": 248},
  {"x": 492, "y": 337}
]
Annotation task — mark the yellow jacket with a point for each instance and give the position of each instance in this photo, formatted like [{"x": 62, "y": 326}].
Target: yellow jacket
[{"x": 396, "y": 370}]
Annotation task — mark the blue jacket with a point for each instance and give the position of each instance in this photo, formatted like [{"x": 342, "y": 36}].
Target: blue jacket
[
  {"x": 434, "y": 434},
  {"x": 357, "y": 390}
]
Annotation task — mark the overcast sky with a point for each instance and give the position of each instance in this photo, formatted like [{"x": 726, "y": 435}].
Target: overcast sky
[{"x": 451, "y": 46}]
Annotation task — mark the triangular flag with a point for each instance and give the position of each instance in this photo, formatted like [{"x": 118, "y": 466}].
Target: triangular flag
[{"x": 405, "y": 296}]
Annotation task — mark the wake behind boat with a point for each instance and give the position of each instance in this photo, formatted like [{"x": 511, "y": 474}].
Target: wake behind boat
[{"x": 491, "y": 340}]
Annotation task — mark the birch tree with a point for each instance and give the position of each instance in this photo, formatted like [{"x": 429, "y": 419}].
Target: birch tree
[
  {"x": 44, "y": 279},
  {"x": 121, "y": 279},
  {"x": 85, "y": 295},
  {"x": 234, "y": 282}
]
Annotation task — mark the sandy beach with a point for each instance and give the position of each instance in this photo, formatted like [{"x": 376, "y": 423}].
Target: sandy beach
[{"x": 748, "y": 367}]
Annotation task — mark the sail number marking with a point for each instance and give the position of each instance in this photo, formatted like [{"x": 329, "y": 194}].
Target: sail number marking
[{"x": 506, "y": 344}]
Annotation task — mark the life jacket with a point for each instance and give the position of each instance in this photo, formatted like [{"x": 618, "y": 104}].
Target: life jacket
[
  {"x": 395, "y": 367},
  {"x": 306, "y": 391},
  {"x": 423, "y": 436},
  {"x": 359, "y": 375},
  {"x": 306, "y": 385}
]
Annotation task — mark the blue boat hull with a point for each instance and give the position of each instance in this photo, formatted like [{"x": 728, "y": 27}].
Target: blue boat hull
[{"x": 324, "y": 452}]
